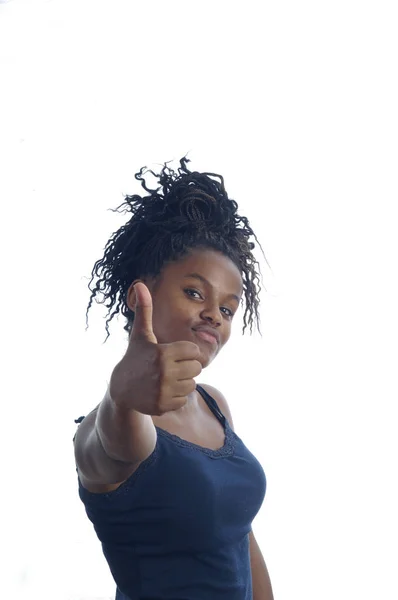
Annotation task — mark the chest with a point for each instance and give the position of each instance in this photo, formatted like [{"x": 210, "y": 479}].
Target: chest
[
  {"x": 189, "y": 499},
  {"x": 202, "y": 428}
]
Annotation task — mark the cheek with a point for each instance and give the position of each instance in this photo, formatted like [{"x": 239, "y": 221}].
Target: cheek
[
  {"x": 159, "y": 324},
  {"x": 226, "y": 334},
  {"x": 168, "y": 325}
]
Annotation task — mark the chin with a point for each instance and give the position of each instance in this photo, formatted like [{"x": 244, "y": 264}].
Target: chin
[{"x": 206, "y": 359}]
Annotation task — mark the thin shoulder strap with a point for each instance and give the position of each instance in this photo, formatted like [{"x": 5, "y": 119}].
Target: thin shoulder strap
[{"x": 211, "y": 403}]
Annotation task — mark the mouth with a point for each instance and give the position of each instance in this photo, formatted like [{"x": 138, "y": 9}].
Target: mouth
[{"x": 207, "y": 336}]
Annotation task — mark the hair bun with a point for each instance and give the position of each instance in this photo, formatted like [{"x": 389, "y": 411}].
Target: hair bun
[{"x": 187, "y": 210}]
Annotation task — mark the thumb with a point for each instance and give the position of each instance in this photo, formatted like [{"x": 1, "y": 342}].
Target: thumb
[{"x": 142, "y": 325}]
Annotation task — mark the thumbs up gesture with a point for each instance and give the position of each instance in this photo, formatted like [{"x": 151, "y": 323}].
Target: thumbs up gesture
[{"x": 153, "y": 378}]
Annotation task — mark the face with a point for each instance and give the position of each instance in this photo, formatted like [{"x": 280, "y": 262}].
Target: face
[{"x": 195, "y": 299}]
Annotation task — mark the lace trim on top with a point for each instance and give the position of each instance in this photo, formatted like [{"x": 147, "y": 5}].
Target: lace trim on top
[{"x": 226, "y": 450}]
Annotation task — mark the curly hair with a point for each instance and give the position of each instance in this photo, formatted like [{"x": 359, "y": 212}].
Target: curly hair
[{"x": 188, "y": 210}]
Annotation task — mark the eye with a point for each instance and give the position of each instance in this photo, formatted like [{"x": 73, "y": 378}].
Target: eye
[
  {"x": 228, "y": 312},
  {"x": 190, "y": 292}
]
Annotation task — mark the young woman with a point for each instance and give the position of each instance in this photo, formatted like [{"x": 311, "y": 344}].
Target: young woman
[{"x": 170, "y": 488}]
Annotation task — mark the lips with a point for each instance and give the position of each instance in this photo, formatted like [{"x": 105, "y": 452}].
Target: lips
[{"x": 208, "y": 334}]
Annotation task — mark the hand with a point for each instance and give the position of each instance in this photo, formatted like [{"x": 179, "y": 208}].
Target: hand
[{"x": 153, "y": 378}]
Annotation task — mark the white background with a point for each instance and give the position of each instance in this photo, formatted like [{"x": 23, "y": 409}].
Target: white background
[{"x": 295, "y": 104}]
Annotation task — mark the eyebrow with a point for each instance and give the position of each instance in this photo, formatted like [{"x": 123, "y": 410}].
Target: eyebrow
[{"x": 204, "y": 280}]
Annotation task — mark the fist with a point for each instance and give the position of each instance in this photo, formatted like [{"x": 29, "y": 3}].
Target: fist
[{"x": 153, "y": 378}]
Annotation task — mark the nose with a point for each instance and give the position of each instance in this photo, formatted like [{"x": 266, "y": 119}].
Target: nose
[{"x": 212, "y": 314}]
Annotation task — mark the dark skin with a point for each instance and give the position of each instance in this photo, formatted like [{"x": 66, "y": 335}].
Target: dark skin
[
  {"x": 182, "y": 320},
  {"x": 181, "y": 303},
  {"x": 204, "y": 287},
  {"x": 201, "y": 290}
]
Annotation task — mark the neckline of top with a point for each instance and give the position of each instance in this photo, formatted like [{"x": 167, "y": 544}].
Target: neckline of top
[{"x": 227, "y": 449}]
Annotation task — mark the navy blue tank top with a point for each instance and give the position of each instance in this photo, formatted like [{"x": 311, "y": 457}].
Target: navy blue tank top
[{"x": 178, "y": 527}]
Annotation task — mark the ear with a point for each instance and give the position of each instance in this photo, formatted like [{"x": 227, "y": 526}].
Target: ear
[{"x": 131, "y": 297}]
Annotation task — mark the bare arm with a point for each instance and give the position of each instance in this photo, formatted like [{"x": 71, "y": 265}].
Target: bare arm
[
  {"x": 110, "y": 443},
  {"x": 262, "y": 589},
  {"x": 151, "y": 379}
]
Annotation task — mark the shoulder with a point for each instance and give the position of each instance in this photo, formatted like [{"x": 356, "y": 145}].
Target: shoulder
[{"x": 221, "y": 401}]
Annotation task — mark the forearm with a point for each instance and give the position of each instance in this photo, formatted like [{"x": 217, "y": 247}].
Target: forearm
[
  {"x": 113, "y": 427},
  {"x": 262, "y": 589}
]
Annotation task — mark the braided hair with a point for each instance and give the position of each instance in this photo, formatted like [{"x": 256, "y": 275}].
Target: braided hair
[{"x": 188, "y": 210}]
